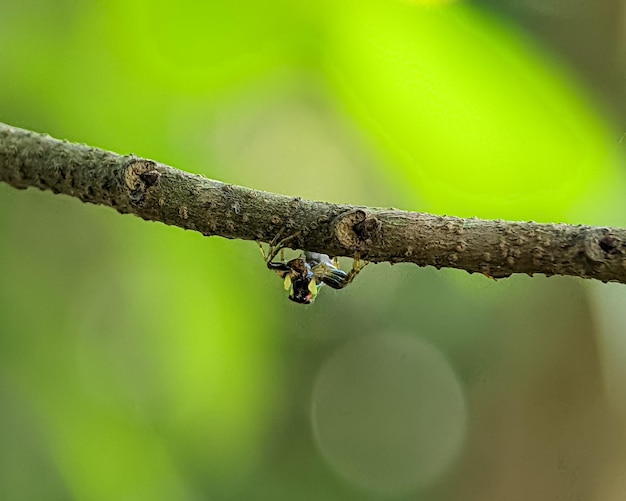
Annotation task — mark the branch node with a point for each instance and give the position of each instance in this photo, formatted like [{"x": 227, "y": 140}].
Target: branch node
[
  {"x": 601, "y": 245},
  {"x": 358, "y": 230},
  {"x": 139, "y": 177},
  {"x": 150, "y": 178}
]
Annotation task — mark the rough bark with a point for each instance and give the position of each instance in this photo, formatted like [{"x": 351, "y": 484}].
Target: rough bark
[{"x": 157, "y": 192}]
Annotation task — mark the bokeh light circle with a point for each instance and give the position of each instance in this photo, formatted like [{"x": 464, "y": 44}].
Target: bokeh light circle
[{"x": 388, "y": 413}]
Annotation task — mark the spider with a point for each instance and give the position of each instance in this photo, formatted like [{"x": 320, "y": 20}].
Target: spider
[{"x": 305, "y": 275}]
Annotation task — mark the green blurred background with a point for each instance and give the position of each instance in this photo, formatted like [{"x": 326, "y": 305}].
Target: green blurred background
[{"x": 143, "y": 362}]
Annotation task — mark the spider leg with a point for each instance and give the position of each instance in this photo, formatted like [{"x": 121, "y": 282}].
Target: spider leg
[
  {"x": 357, "y": 266},
  {"x": 276, "y": 237},
  {"x": 276, "y": 246}
]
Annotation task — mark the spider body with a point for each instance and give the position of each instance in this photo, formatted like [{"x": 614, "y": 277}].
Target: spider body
[{"x": 305, "y": 275}]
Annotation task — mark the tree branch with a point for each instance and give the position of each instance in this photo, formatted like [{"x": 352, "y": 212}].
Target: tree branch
[{"x": 156, "y": 192}]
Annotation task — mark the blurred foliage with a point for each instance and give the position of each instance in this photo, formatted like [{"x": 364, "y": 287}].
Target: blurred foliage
[
  {"x": 485, "y": 126},
  {"x": 138, "y": 361}
]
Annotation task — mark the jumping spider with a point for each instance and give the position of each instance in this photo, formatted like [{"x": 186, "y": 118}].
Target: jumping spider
[{"x": 305, "y": 275}]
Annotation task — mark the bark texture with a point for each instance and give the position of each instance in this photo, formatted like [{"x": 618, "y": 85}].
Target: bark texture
[{"x": 157, "y": 192}]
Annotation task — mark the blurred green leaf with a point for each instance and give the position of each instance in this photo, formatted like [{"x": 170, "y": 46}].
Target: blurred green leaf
[{"x": 482, "y": 124}]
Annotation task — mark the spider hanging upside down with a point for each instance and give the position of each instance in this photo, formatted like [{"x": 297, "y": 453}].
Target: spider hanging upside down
[{"x": 305, "y": 275}]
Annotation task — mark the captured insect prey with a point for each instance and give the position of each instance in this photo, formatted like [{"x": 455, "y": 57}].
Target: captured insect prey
[{"x": 305, "y": 275}]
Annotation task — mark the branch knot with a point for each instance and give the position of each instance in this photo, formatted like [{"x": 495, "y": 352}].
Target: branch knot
[
  {"x": 358, "y": 230},
  {"x": 139, "y": 177}
]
